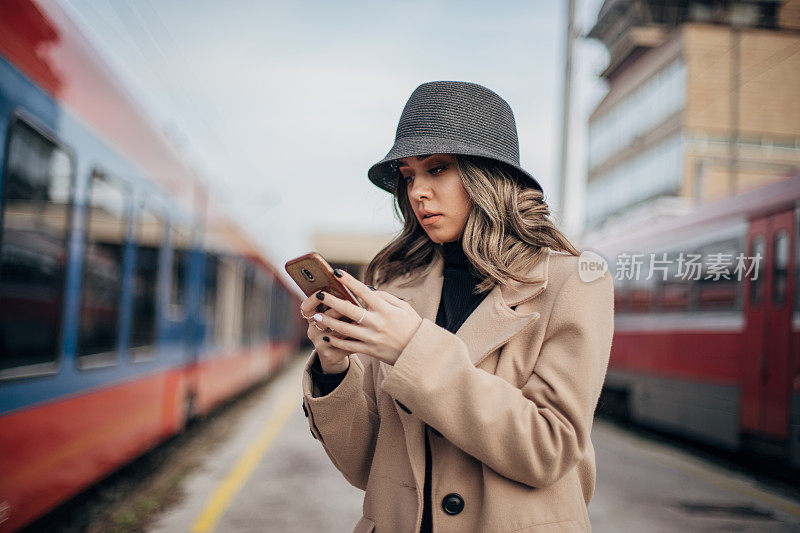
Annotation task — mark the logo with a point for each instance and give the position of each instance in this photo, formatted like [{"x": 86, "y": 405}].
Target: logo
[{"x": 591, "y": 266}]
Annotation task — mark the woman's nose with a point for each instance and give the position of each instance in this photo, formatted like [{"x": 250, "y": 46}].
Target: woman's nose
[{"x": 420, "y": 189}]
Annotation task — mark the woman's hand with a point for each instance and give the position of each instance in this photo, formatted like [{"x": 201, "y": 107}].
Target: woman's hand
[
  {"x": 385, "y": 330},
  {"x": 332, "y": 360}
]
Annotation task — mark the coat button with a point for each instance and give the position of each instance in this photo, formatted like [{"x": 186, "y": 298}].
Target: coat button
[
  {"x": 403, "y": 407},
  {"x": 436, "y": 432},
  {"x": 305, "y": 411},
  {"x": 452, "y": 503}
]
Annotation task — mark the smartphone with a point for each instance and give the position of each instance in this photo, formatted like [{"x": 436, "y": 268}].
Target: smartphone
[{"x": 312, "y": 273}]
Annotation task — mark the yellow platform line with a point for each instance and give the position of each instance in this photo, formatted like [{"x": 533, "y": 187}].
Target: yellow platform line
[{"x": 227, "y": 489}]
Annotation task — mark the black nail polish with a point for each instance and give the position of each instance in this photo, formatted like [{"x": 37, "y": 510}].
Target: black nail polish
[
  {"x": 337, "y": 272},
  {"x": 326, "y": 339},
  {"x": 371, "y": 287},
  {"x": 320, "y": 295}
]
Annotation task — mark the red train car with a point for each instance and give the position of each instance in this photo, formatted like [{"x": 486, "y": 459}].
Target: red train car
[
  {"x": 129, "y": 302},
  {"x": 707, "y": 332}
]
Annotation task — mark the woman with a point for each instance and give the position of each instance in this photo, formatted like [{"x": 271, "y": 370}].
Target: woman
[{"x": 462, "y": 397}]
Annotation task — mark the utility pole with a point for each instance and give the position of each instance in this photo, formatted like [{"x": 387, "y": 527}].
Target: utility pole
[
  {"x": 562, "y": 171},
  {"x": 733, "y": 144}
]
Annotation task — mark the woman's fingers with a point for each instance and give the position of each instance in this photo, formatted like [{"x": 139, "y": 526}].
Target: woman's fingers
[
  {"x": 361, "y": 290},
  {"x": 309, "y": 306},
  {"x": 343, "y": 329},
  {"x": 313, "y": 304},
  {"x": 346, "y": 308},
  {"x": 329, "y": 313},
  {"x": 390, "y": 298},
  {"x": 333, "y": 313},
  {"x": 324, "y": 341}
]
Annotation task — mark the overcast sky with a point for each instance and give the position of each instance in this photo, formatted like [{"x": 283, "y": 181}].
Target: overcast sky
[{"x": 283, "y": 106}]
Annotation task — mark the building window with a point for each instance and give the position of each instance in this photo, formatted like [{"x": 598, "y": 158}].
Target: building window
[
  {"x": 637, "y": 113},
  {"x": 654, "y": 172},
  {"x": 36, "y": 204},
  {"x": 106, "y": 229}
]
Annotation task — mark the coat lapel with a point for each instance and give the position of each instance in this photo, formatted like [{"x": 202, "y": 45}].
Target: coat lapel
[
  {"x": 489, "y": 326},
  {"x": 494, "y": 321}
]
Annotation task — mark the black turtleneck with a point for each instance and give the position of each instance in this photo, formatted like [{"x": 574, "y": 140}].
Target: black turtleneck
[
  {"x": 460, "y": 278},
  {"x": 457, "y": 302}
]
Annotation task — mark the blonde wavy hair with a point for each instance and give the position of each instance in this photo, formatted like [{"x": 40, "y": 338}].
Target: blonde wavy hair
[{"x": 507, "y": 229}]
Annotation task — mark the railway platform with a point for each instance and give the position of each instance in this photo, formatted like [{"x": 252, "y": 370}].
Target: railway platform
[{"x": 272, "y": 475}]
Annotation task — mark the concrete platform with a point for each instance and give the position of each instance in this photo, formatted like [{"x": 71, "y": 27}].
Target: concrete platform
[
  {"x": 272, "y": 475},
  {"x": 643, "y": 485}
]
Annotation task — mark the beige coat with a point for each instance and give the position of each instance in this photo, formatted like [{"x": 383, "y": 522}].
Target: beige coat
[{"x": 508, "y": 402}]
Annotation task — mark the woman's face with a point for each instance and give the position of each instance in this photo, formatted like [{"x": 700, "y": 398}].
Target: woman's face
[{"x": 434, "y": 185}]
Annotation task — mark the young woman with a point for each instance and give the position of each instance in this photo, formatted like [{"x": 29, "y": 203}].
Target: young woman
[{"x": 462, "y": 397}]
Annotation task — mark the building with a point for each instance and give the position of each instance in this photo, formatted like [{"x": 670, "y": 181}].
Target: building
[
  {"x": 349, "y": 251},
  {"x": 703, "y": 102}
]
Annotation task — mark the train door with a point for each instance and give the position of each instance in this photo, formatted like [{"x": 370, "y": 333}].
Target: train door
[{"x": 765, "y": 366}]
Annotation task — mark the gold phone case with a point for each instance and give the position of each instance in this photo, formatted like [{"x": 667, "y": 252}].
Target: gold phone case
[{"x": 312, "y": 273}]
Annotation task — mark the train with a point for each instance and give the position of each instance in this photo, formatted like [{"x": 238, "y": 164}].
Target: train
[
  {"x": 707, "y": 320},
  {"x": 130, "y": 301}
]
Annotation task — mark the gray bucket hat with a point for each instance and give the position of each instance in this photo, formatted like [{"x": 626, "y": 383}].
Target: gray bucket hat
[{"x": 453, "y": 117}]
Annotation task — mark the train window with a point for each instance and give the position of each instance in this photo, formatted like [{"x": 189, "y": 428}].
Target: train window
[
  {"x": 263, "y": 306},
  {"x": 642, "y": 285},
  {"x": 248, "y": 305},
  {"x": 758, "y": 248},
  {"x": 279, "y": 313},
  {"x": 718, "y": 287},
  {"x": 210, "y": 295},
  {"x": 673, "y": 293},
  {"x": 258, "y": 307},
  {"x": 275, "y": 310},
  {"x": 149, "y": 236},
  {"x": 796, "y": 260},
  {"x": 620, "y": 297},
  {"x": 106, "y": 228},
  {"x": 229, "y": 298},
  {"x": 181, "y": 242},
  {"x": 36, "y": 208},
  {"x": 780, "y": 266}
]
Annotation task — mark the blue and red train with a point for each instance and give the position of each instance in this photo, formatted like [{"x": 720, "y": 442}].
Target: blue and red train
[{"x": 128, "y": 301}]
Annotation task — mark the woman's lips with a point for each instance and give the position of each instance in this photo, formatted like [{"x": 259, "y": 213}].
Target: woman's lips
[{"x": 431, "y": 220}]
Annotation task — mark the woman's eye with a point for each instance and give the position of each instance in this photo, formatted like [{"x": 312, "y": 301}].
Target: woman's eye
[{"x": 434, "y": 171}]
